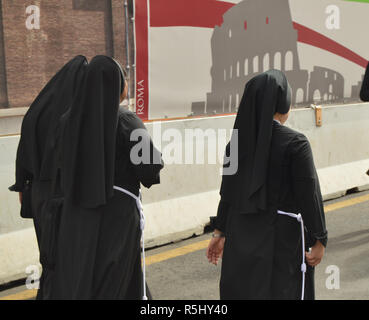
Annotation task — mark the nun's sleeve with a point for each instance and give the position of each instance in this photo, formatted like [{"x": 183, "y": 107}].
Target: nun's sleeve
[
  {"x": 220, "y": 221},
  {"x": 364, "y": 92},
  {"x": 307, "y": 190},
  {"x": 22, "y": 176},
  {"x": 147, "y": 172}
]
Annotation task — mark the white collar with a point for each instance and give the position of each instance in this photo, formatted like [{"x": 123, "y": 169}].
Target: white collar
[{"x": 277, "y": 121}]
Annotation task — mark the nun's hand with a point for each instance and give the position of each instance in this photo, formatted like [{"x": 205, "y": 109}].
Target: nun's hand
[
  {"x": 215, "y": 250},
  {"x": 316, "y": 254},
  {"x": 20, "y": 197}
]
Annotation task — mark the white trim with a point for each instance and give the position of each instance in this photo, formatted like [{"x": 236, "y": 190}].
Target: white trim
[
  {"x": 142, "y": 226},
  {"x": 303, "y": 264}
]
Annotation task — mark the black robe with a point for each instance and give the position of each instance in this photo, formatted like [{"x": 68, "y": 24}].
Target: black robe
[
  {"x": 35, "y": 162},
  {"x": 262, "y": 255},
  {"x": 97, "y": 250}
]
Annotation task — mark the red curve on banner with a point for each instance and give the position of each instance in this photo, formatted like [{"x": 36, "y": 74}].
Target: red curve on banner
[
  {"x": 188, "y": 13},
  {"x": 316, "y": 39},
  {"x": 195, "y": 13}
]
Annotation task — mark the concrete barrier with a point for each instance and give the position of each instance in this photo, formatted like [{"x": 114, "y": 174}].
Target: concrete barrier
[
  {"x": 189, "y": 193},
  {"x": 18, "y": 246}
]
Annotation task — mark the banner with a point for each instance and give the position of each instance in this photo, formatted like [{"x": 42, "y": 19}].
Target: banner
[{"x": 194, "y": 57}]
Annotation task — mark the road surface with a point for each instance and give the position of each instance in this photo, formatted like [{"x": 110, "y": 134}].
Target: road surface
[{"x": 181, "y": 270}]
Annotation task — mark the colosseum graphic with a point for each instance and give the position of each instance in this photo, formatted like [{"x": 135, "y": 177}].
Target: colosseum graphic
[{"x": 238, "y": 55}]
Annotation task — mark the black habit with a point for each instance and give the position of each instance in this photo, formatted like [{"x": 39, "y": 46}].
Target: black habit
[
  {"x": 262, "y": 253},
  {"x": 35, "y": 161},
  {"x": 97, "y": 248}
]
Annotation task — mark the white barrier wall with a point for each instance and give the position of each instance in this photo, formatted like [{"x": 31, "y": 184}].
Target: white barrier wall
[
  {"x": 18, "y": 246},
  {"x": 188, "y": 194}
]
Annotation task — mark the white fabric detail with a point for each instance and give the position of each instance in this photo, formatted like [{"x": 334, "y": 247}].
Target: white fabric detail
[
  {"x": 298, "y": 217},
  {"x": 142, "y": 226}
]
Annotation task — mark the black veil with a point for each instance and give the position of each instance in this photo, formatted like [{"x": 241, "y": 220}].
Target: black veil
[
  {"x": 35, "y": 150},
  {"x": 88, "y": 143},
  {"x": 65, "y": 96},
  {"x": 264, "y": 95}
]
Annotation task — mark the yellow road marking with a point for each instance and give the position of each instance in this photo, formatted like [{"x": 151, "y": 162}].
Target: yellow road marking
[
  {"x": 346, "y": 203},
  {"x": 23, "y": 295},
  {"x": 197, "y": 246},
  {"x": 181, "y": 251}
]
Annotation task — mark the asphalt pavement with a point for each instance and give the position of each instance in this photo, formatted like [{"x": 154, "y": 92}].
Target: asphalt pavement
[
  {"x": 342, "y": 274},
  {"x": 180, "y": 271}
]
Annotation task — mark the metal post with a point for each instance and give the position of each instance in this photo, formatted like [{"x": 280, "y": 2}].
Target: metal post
[
  {"x": 134, "y": 56},
  {"x": 127, "y": 49}
]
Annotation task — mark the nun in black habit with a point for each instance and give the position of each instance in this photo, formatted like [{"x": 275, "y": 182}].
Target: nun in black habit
[
  {"x": 261, "y": 249},
  {"x": 98, "y": 243},
  {"x": 35, "y": 161}
]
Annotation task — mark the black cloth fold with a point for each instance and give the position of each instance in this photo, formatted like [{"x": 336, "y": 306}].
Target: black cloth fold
[
  {"x": 89, "y": 143},
  {"x": 36, "y": 161},
  {"x": 35, "y": 150},
  {"x": 293, "y": 185},
  {"x": 129, "y": 175},
  {"x": 264, "y": 95},
  {"x": 306, "y": 189},
  {"x": 67, "y": 90}
]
